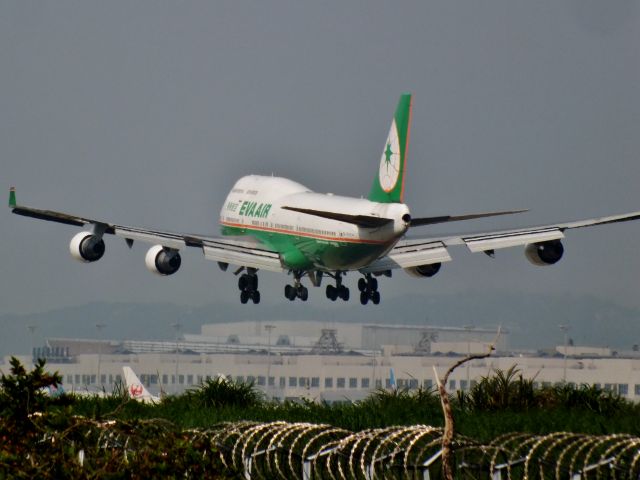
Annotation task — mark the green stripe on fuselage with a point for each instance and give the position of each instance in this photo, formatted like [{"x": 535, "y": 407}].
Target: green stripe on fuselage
[{"x": 310, "y": 253}]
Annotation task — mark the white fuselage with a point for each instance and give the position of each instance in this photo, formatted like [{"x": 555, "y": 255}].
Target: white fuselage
[{"x": 254, "y": 207}]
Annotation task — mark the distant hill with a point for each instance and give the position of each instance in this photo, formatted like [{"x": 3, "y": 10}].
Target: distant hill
[{"x": 532, "y": 319}]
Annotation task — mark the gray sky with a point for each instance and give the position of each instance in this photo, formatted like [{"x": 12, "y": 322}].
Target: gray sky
[{"x": 145, "y": 113}]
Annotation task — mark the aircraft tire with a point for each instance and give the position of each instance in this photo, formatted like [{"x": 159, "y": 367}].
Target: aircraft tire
[
  {"x": 344, "y": 293},
  {"x": 244, "y": 297},
  {"x": 303, "y": 293},
  {"x": 373, "y": 284},
  {"x": 252, "y": 283},
  {"x": 255, "y": 296},
  {"x": 364, "y": 298},
  {"x": 362, "y": 284},
  {"x": 289, "y": 292},
  {"x": 331, "y": 291},
  {"x": 243, "y": 282},
  {"x": 375, "y": 297}
]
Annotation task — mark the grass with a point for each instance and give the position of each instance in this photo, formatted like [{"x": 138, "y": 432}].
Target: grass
[{"x": 383, "y": 409}]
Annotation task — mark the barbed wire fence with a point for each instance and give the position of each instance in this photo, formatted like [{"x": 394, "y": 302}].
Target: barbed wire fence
[{"x": 305, "y": 451}]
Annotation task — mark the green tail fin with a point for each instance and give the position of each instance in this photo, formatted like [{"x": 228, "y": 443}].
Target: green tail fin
[
  {"x": 388, "y": 186},
  {"x": 12, "y": 197}
]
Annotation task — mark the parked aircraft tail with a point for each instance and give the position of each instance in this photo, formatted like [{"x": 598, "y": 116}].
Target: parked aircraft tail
[
  {"x": 392, "y": 379},
  {"x": 135, "y": 388}
]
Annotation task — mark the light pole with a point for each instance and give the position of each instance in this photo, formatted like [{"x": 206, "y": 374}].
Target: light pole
[
  {"x": 269, "y": 328},
  {"x": 177, "y": 326},
  {"x": 99, "y": 327},
  {"x": 468, "y": 328},
  {"x": 32, "y": 330},
  {"x": 564, "y": 329},
  {"x": 375, "y": 360}
]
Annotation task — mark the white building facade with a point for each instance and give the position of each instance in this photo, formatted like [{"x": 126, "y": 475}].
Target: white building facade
[{"x": 323, "y": 368}]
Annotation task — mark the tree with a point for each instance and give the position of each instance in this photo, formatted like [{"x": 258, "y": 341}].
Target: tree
[{"x": 23, "y": 393}]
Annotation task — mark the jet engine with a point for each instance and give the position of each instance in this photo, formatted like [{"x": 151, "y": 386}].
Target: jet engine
[
  {"x": 544, "y": 253},
  {"x": 162, "y": 261},
  {"x": 86, "y": 247},
  {"x": 424, "y": 270}
]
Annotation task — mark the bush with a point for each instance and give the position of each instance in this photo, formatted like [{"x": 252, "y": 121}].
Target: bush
[
  {"x": 582, "y": 397},
  {"x": 23, "y": 393},
  {"x": 220, "y": 392},
  {"x": 504, "y": 390}
]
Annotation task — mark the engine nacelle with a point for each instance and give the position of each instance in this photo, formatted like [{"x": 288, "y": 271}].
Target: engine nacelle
[
  {"x": 86, "y": 247},
  {"x": 422, "y": 271},
  {"x": 544, "y": 253},
  {"x": 162, "y": 261}
]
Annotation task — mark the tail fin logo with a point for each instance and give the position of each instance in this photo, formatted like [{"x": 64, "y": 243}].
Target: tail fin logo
[
  {"x": 135, "y": 390},
  {"x": 390, "y": 161}
]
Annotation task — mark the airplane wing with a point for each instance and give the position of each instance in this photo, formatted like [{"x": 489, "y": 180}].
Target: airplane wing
[
  {"x": 426, "y": 251},
  {"x": 234, "y": 250}
]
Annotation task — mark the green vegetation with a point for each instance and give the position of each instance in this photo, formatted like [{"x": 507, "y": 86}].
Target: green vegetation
[
  {"x": 50, "y": 430},
  {"x": 23, "y": 393},
  {"x": 500, "y": 403}
]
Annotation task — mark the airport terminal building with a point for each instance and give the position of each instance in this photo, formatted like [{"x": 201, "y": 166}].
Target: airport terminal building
[{"x": 328, "y": 362}]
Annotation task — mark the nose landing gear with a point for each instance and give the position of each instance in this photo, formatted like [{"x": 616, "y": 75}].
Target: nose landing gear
[
  {"x": 368, "y": 287},
  {"x": 248, "y": 285}
]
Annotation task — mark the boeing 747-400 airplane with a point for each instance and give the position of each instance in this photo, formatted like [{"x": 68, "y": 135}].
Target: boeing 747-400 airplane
[{"x": 276, "y": 224}]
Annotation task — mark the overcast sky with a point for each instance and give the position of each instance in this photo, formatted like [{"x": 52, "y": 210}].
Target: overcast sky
[{"x": 145, "y": 113}]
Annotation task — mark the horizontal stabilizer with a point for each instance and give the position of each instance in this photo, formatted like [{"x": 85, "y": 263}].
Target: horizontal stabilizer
[
  {"x": 419, "y": 222},
  {"x": 364, "y": 221}
]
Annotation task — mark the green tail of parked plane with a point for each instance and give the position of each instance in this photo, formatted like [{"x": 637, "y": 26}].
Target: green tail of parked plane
[{"x": 275, "y": 224}]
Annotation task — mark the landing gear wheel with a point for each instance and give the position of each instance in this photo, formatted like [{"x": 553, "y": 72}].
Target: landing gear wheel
[
  {"x": 368, "y": 287},
  {"x": 244, "y": 297},
  {"x": 248, "y": 285},
  {"x": 303, "y": 293},
  {"x": 290, "y": 292},
  {"x": 343, "y": 292},
  {"x": 255, "y": 296},
  {"x": 375, "y": 297},
  {"x": 331, "y": 292},
  {"x": 364, "y": 298}
]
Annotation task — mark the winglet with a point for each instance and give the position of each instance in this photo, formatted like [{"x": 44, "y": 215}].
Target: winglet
[{"x": 12, "y": 197}]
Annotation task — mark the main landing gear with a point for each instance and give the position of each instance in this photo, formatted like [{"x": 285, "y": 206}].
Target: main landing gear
[
  {"x": 368, "y": 287},
  {"x": 297, "y": 290},
  {"x": 248, "y": 285},
  {"x": 339, "y": 291}
]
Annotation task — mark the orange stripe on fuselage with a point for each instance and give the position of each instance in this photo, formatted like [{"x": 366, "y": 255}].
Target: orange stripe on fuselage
[{"x": 304, "y": 234}]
